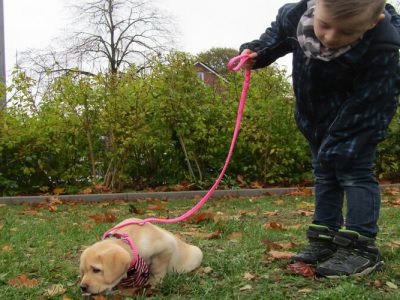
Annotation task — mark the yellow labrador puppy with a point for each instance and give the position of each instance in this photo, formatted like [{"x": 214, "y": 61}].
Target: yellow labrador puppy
[{"x": 135, "y": 255}]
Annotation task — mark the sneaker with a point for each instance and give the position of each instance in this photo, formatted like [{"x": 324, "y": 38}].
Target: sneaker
[
  {"x": 320, "y": 246},
  {"x": 356, "y": 255}
]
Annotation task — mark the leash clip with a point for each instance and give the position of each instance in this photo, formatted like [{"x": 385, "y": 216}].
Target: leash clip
[{"x": 239, "y": 61}]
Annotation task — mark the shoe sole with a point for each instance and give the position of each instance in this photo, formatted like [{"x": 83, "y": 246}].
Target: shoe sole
[{"x": 377, "y": 267}]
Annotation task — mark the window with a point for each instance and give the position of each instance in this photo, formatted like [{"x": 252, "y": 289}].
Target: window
[{"x": 200, "y": 75}]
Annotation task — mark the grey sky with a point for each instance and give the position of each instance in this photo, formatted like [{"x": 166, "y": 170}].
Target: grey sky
[{"x": 202, "y": 24}]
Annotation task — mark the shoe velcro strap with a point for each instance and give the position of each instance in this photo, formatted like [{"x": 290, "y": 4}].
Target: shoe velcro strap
[
  {"x": 318, "y": 235},
  {"x": 342, "y": 241}
]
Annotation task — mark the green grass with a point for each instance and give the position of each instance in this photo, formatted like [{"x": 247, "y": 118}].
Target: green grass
[{"x": 44, "y": 243}]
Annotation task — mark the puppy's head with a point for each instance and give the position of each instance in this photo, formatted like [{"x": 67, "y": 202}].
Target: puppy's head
[{"x": 102, "y": 266}]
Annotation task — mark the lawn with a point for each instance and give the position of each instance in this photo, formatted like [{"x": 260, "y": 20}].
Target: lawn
[{"x": 245, "y": 242}]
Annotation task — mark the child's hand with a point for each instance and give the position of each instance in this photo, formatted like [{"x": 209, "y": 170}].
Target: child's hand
[{"x": 252, "y": 58}]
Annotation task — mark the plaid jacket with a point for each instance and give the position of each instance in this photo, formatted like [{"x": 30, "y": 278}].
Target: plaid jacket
[{"x": 343, "y": 104}]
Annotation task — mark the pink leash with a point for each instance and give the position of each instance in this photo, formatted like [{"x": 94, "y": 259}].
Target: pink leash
[{"x": 231, "y": 65}]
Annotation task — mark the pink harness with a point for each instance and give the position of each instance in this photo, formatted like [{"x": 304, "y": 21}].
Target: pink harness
[
  {"x": 138, "y": 269},
  {"x": 138, "y": 272}
]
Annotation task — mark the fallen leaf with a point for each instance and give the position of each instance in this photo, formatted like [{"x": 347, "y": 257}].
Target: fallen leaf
[
  {"x": 55, "y": 201},
  {"x": 281, "y": 255},
  {"x": 300, "y": 192},
  {"x": 137, "y": 211},
  {"x": 58, "y": 191},
  {"x": 271, "y": 213},
  {"x": 256, "y": 185},
  {"x": 204, "y": 235},
  {"x": 56, "y": 289},
  {"x": 391, "y": 285},
  {"x": 158, "y": 206},
  {"x": 99, "y": 297},
  {"x": 274, "y": 225},
  {"x": 378, "y": 284},
  {"x": 107, "y": 218},
  {"x": 52, "y": 208},
  {"x": 23, "y": 281},
  {"x": 305, "y": 290},
  {"x": 395, "y": 202},
  {"x": 86, "y": 191},
  {"x": 198, "y": 218},
  {"x": 301, "y": 268},
  {"x": 271, "y": 245},
  {"x": 247, "y": 287},
  {"x": 206, "y": 270},
  {"x": 302, "y": 212},
  {"x": 6, "y": 247},
  {"x": 248, "y": 276}
]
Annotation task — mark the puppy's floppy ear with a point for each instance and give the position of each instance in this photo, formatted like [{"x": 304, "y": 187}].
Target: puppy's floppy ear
[{"x": 116, "y": 263}]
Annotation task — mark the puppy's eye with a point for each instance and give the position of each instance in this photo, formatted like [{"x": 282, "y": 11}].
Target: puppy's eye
[{"x": 95, "y": 270}]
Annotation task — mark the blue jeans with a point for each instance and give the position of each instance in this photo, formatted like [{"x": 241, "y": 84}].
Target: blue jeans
[{"x": 358, "y": 184}]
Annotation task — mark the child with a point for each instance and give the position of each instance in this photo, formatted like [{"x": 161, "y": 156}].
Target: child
[{"x": 346, "y": 79}]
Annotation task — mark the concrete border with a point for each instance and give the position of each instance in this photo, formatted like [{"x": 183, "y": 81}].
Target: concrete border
[{"x": 160, "y": 195}]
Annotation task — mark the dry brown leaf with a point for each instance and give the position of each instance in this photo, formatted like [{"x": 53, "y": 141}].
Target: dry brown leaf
[
  {"x": 274, "y": 225},
  {"x": 288, "y": 245},
  {"x": 300, "y": 192},
  {"x": 256, "y": 185},
  {"x": 271, "y": 213},
  {"x": 6, "y": 247},
  {"x": 86, "y": 191},
  {"x": 56, "y": 289},
  {"x": 158, "y": 206},
  {"x": 107, "y": 218},
  {"x": 302, "y": 212},
  {"x": 305, "y": 205},
  {"x": 55, "y": 201},
  {"x": 301, "y": 268},
  {"x": 281, "y": 255},
  {"x": 201, "y": 217},
  {"x": 395, "y": 202},
  {"x": 137, "y": 211},
  {"x": 99, "y": 297},
  {"x": 58, "y": 191},
  {"x": 248, "y": 276},
  {"x": 206, "y": 270},
  {"x": 22, "y": 281},
  {"x": 305, "y": 290},
  {"x": 204, "y": 235},
  {"x": 52, "y": 208},
  {"x": 271, "y": 245}
]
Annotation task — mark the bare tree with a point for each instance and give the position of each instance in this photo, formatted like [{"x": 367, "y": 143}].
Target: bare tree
[
  {"x": 119, "y": 32},
  {"x": 106, "y": 36}
]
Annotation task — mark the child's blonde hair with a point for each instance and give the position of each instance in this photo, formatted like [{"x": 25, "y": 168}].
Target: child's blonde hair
[{"x": 341, "y": 9}]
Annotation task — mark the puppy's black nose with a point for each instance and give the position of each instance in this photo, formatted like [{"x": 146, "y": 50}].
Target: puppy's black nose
[{"x": 84, "y": 288}]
